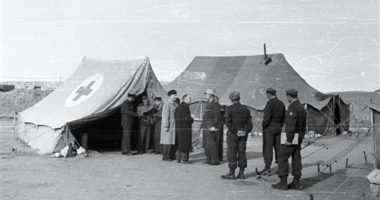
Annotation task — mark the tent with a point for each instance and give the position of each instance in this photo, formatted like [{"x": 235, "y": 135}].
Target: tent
[
  {"x": 89, "y": 100},
  {"x": 251, "y": 75},
  {"x": 359, "y": 102},
  {"x": 375, "y": 126}
]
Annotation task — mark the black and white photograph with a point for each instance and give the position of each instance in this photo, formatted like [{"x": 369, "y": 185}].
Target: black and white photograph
[{"x": 190, "y": 99}]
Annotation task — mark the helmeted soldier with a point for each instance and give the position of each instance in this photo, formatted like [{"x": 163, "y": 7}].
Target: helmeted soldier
[
  {"x": 274, "y": 115},
  {"x": 239, "y": 124},
  {"x": 295, "y": 125}
]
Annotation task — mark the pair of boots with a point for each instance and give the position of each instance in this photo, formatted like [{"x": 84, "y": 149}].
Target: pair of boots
[
  {"x": 231, "y": 175},
  {"x": 283, "y": 184}
]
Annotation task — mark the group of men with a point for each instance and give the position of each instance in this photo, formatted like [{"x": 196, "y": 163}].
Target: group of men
[
  {"x": 172, "y": 123},
  {"x": 168, "y": 124}
]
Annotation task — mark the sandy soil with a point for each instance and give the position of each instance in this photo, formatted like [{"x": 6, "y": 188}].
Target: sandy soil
[{"x": 25, "y": 175}]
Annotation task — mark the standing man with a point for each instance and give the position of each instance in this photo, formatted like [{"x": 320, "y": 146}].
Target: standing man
[
  {"x": 274, "y": 115},
  {"x": 295, "y": 123},
  {"x": 220, "y": 130},
  {"x": 128, "y": 115},
  {"x": 144, "y": 111},
  {"x": 211, "y": 119},
  {"x": 157, "y": 116},
  {"x": 239, "y": 124},
  {"x": 168, "y": 127},
  {"x": 183, "y": 129}
]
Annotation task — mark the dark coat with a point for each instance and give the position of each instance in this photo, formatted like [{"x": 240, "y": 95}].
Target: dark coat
[
  {"x": 212, "y": 116},
  {"x": 128, "y": 112},
  {"x": 274, "y": 116},
  {"x": 295, "y": 121},
  {"x": 183, "y": 121},
  {"x": 238, "y": 118}
]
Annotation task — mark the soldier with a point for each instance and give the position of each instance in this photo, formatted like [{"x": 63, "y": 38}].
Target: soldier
[
  {"x": 211, "y": 119},
  {"x": 239, "y": 124},
  {"x": 295, "y": 123},
  {"x": 128, "y": 115},
  {"x": 145, "y": 114},
  {"x": 274, "y": 115},
  {"x": 157, "y": 124}
]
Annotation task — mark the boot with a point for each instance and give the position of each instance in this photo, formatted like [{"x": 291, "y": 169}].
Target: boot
[
  {"x": 230, "y": 176},
  {"x": 264, "y": 172},
  {"x": 241, "y": 174},
  {"x": 295, "y": 184},
  {"x": 282, "y": 185}
]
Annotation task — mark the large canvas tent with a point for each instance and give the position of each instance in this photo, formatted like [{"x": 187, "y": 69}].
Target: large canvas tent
[
  {"x": 88, "y": 100},
  {"x": 251, "y": 75}
]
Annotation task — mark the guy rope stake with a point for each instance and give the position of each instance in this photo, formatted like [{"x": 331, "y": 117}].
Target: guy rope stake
[
  {"x": 365, "y": 157},
  {"x": 319, "y": 168}
]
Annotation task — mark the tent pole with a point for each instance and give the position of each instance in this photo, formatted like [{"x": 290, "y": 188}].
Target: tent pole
[
  {"x": 307, "y": 119},
  {"x": 14, "y": 131}
]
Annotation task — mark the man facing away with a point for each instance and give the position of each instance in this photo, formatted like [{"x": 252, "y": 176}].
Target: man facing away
[
  {"x": 128, "y": 115},
  {"x": 144, "y": 111},
  {"x": 211, "y": 119},
  {"x": 157, "y": 124},
  {"x": 295, "y": 124},
  {"x": 274, "y": 115},
  {"x": 168, "y": 127},
  {"x": 239, "y": 124},
  {"x": 183, "y": 129}
]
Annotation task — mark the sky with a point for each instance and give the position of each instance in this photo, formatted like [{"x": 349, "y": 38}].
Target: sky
[{"x": 332, "y": 44}]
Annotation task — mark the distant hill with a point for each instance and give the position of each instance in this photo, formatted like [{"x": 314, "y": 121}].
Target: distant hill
[
  {"x": 377, "y": 91},
  {"x": 359, "y": 102}
]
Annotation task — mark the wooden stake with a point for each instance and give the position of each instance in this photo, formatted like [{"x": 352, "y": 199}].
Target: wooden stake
[
  {"x": 365, "y": 157},
  {"x": 330, "y": 168},
  {"x": 346, "y": 162},
  {"x": 319, "y": 169}
]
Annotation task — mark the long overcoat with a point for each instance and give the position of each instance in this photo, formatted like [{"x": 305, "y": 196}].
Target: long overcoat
[
  {"x": 183, "y": 122},
  {"x": 168, "y": 122}
]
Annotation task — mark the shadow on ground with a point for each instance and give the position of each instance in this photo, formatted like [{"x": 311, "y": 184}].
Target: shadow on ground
[{"x": 200, "y": 156}]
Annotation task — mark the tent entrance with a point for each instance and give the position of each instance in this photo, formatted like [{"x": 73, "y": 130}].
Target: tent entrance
[{"x": 103, "y": 134}]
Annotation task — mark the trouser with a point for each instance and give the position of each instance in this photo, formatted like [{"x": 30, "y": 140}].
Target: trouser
[
  {"x": 211, "y": 147},
  {"x": 126, "y": 138},
  {"x": 236, "y": 151},
  {"x": 144, "y": 137},
  {"x": 219, "y": 139},
  {"x": 182, "y": 156},
  {"x": 270, "y": 141},
  {"x": 283, "y": 165},
  {"x": 168, "y": 152},
  {"x": 157, "y": 136}
]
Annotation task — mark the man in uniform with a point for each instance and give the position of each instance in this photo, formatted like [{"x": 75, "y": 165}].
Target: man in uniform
[
  {"x": 274, "y": 115},
  {"x": 157, "y": 124},
  {"x": 211, "y": 119},
  {"x": 128, "y": 115},
  {"x": 239, "y": 124},
  {"x": 295, "y": 124},
  {"x": 144, "y": 111}
]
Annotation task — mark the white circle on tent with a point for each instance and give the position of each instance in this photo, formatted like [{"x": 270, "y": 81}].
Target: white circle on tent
[{"x": 84, "y": 90}]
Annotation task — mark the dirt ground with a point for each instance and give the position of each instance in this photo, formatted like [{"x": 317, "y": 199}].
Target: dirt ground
[{"x": 26, "y": 175}]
